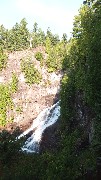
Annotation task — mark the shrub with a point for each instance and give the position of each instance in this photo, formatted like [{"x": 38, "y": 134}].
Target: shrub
[
  {"x": 3, "y": 60},
  {"x": 14, "y": 83},
  {"x": 39, "y": 56},
  {"x": 55, "y": 57},
  {"x": 5, "y": 102},
  {"x": 9, "y": 145},
  {"x": 32, "y": 75}
]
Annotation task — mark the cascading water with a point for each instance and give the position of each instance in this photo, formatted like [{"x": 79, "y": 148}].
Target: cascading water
[{"x": 45, "y": 119}]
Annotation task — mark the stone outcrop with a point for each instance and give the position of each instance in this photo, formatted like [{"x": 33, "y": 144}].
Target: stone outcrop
[{"x": 29, "y": 101}]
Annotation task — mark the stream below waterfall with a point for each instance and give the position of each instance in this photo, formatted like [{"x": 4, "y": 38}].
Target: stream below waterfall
[{"x": 45, "y": 119}]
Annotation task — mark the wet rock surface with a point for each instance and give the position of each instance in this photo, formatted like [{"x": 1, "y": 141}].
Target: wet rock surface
[{"x": 50, "y": 138}]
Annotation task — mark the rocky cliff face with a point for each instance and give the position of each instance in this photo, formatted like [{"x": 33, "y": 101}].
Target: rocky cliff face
[
  {"x": 84, "y": 116},
  {"x": 29, "y": 101}
]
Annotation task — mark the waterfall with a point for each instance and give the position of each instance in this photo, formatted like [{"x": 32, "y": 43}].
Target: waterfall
[{"x": 45, "y": 119}]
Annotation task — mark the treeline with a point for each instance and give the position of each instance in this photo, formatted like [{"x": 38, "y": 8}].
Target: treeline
[{"x": 19, "y": 37}]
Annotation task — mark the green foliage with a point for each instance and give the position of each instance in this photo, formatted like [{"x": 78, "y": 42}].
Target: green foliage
[
  {"x": 56, "y": 55},
  {"x": 88, "y": 54},
  {"x": 47, "y": 165},
  {"x": 39, "y": 56},
  {"x": 5, "y": 103},
  {"x": 19, "y": 109},
  {"x": 84, "y": 55},
  {"x": 32, "y": 75},
  {"x": 48, "y": 45},
  {"x": 83, "y": 74},
  {"x": 18, "y": 36},
  {"x": 3, "y": 37},
  {"x": 3, "y": 59},
  {"x": 14, "y": 83},
  {"x": 67, "y": 95},
  {"x": 64, "y": 37},
  {"x": 53, "y": 38},
  {"x": 38, "y": 36},
  {"x": 9, "y": 146},
  {"x": 6, "y": 100}
]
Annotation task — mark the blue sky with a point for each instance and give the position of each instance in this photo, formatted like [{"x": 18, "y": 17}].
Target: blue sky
[{"x": 56, "y": 14}]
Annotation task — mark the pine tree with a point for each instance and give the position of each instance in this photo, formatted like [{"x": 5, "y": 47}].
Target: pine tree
[{"x": 3, "y": 37}]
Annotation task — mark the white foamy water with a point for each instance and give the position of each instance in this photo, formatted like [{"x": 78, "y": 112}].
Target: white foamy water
[{"x": 45, "y": 119}]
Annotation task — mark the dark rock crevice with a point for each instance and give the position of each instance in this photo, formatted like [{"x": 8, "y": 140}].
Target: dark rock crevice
[{"x": 50, "y": 138}]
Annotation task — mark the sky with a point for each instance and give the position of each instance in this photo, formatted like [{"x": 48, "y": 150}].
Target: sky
[{"x": 56, "y": 14}]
